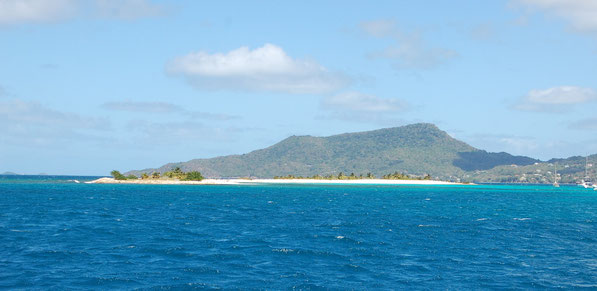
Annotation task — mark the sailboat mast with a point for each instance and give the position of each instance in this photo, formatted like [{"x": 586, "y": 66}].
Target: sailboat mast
[{"x": 587, "y": 168}]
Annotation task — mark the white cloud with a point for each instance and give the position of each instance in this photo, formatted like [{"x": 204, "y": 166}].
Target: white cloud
[
  {"x": 267, "y": 68},
  {"x": 557, "y": 99},
  {"x": 584, "y": 124},
  {"x": 410, "y": 51},
  {"x": 357, "y": 106},
  {"x": 544, "y": 149},
  {"x": 19, "y": 11},
  {"x": 187, "y": 132},
  {"x": 581, "y": 14},
  {"x": 484, "y": 31},
  {"x": 128, "y": 9},
  {"x": 163, "y": 107},
  {"x": 37, "y": 11},
  {"x": 355, "y": 101},
  {"x": 23, "y": 112},
  {"x": 144, "y": 107},
  {"x": 519, "y": 144},
  {"x": 513, "y": 144},
  {"x": 379, "y": 28},
  {"x": 29, "y": 123}
]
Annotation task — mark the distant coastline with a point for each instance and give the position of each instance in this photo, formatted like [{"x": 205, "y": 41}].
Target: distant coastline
[{"x": 271, "y": 181}]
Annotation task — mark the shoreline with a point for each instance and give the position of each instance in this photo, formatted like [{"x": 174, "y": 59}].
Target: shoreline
[{"x": 272, "y": 181}]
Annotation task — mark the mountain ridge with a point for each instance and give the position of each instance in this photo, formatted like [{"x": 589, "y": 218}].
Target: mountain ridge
[{"x": 415, "y": 149}]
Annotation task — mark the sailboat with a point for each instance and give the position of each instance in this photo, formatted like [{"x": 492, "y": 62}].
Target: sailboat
[
  {"x": 586, "y": 184},
  {"x": 555, "y": 176}
]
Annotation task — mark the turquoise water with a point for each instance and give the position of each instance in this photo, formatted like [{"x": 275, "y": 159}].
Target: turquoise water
[{"x": 64, "y": 235}]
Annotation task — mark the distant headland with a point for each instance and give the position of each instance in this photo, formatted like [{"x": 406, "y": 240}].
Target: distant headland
[
  {"x": 414, "y": 150},
  {"x": 10, "y": 174}
]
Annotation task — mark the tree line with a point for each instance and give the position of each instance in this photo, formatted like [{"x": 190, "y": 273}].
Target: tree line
[
  {"x": 341, "y": 176},
  {"x": 175, "y": 173}
]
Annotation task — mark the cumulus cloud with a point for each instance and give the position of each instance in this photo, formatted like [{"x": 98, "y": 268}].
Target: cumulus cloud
[
  {"x": 37, "y": 11},
  {"x": 557, "y": 99},
  {"x": 163, "y": 107},
  {"x": 357, "y": 106},
  {"x": 581, "y": 14},
  {"x": 409, "y": 51},
  {"x": 267, "y": 68}
]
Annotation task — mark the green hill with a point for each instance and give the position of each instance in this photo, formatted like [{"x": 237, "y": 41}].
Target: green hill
[
  {"x": 415, "y": 149},
  {"x": 569, "y": 170},
  {"x": 9, "y": 174}
]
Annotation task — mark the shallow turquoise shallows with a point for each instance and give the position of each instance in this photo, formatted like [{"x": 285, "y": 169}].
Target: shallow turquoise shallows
[{"x": 55, "y": 233}]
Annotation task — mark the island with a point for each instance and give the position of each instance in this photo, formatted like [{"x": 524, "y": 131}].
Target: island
[
  {"x": 178, "y": 177},
  {"x": 409, "y": 152}
]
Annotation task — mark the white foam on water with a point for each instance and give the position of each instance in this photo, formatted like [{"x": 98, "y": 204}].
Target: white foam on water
[
  {"x": 521, "y": 219},
  {"x": 481, "y": 219}
]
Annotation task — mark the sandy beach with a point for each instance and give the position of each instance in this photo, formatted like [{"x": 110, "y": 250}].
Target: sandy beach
[{"x": 271, "y": 181}]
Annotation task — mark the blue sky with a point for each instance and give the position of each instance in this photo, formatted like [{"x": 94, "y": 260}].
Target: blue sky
[{"x": 87, "y": 86}]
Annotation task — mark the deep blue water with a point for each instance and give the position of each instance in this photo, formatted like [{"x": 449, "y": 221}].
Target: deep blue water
[{"x": 63, "y": 235}]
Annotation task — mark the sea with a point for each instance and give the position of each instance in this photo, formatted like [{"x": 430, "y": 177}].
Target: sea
[{"x": 57, "y": 234}]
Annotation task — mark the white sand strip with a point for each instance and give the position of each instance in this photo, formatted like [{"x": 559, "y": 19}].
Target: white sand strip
[{"x": 271, "y": 181}]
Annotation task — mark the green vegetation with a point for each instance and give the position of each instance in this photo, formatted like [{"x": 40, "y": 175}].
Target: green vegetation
[
  {"x": 570, "y": 170},
  {"x": 414, "y": 150},
  {"x": 352, "y": 176},
  {"x": 176, "y": 173},
  {"x": 193, "y": 176},
  {"x": 117, "y": 175},
  {"x": 402, "y": 176},
  {"x": 482, "y": 160}
]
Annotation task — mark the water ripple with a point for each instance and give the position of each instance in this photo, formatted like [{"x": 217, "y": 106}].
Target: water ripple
[{"x": 80, "y": 236}]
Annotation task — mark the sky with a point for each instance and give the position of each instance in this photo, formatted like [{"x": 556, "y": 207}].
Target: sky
[{"x": 88, "y": 86}]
